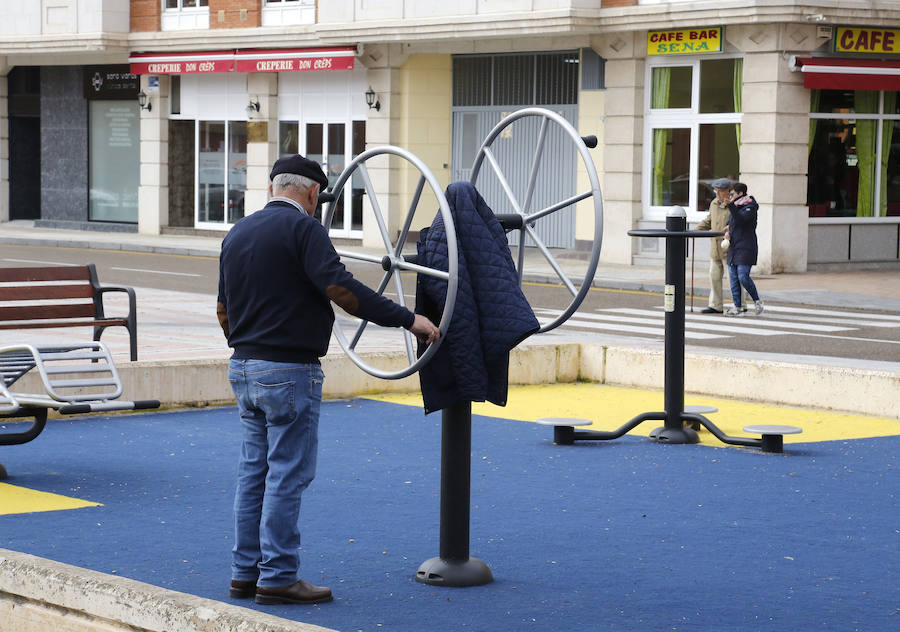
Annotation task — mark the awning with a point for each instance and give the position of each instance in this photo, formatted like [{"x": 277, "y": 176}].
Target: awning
[
  {"x": 276, "y": 60},
  {"x": 827, "y": 73}
]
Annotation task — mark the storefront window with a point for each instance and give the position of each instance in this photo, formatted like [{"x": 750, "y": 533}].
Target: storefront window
[
  {"x": 694, "y": 130},
  {"x": 221, "y": 166},
  {"x": 288, "y": 138},
  {"x": 211, "y": 172},
  {"x": 671, "y": 87},
  {"x": 853, "y": 168},
  {"x": 114, "y": 161}
]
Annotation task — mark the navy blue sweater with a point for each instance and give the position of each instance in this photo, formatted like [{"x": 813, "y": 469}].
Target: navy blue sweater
[{"x": 277, "y": 272}]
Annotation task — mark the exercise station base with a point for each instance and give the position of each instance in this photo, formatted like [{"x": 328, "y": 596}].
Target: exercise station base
[
  {"x": 674, "y": 435},
  {"x": 457, "y": 573}
]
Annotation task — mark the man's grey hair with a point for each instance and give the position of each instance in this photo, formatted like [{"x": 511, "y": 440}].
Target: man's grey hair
[{"x": 287, "y": 180}]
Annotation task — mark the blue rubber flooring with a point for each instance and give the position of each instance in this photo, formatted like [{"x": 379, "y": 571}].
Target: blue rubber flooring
[{"x": 621, "y": 535}]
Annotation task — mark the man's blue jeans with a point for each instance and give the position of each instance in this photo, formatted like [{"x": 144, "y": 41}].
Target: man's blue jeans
[
  {"x": 740, "y": 275},
  {"x": 279, "y": 407}
]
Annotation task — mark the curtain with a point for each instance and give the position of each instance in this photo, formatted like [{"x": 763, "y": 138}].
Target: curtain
[
  {"x": 887, "y": 134},
  {"x": 814, "y": 97},
  {"x": 738, "y": 89},
  {"x": 659, "y": 98},
  {"x": 865, "y": 101}
]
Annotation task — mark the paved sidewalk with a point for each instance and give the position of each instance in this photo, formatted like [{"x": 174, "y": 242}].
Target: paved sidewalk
[{"x": 865, "y": 289}]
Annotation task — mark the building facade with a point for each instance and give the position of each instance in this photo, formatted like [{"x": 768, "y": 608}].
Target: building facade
[{"x": 166, "y": 115}]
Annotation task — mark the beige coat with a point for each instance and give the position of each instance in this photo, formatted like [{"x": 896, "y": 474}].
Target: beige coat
[{"x": 716, "y": 220}]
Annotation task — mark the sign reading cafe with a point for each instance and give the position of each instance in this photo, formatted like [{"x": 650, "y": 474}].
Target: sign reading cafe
[
  {"x": 848, "y": 39},
  {"x": 685, "y": 41}
]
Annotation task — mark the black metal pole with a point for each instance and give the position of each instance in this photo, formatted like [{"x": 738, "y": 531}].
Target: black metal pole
[
  {"x": 454, "y": 567},
  {"x": 673, "y": 390},
  {"x": 456, "y": 469}
]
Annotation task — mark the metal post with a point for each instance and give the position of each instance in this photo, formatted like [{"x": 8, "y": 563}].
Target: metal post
[
  {"x": 454, "y": 567},
  {"x": 673, "y": 390}
]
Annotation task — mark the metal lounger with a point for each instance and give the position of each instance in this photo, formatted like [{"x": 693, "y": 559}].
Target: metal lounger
[{"x": 78, "y": 378}]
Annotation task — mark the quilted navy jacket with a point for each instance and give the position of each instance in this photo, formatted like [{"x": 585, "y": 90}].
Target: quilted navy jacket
[{"x": 491, "y": 315}]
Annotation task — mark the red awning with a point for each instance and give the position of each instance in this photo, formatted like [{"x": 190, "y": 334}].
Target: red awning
[
  {"x": 827, "y": 73},
  {"x": 277, "y": 60}
]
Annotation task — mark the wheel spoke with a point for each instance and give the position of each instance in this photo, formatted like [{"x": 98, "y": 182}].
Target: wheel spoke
[
  {"x": 502, "y": 178},
  {"x": 559, "y": 205},
  {"x": 551, "y": 260},
  {"x": 538, "y": 152},
  {"x": 409, "y": 216},
  {"x": 359, "y": 256},
  {"x": 370, "y": 191},
  {"x": 410, "y": 349}
]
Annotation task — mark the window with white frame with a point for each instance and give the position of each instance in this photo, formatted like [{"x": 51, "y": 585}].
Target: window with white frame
[
  {"x": 692, "y": 131},
  {"x": 854, "y": 154},
  {"x": 288, "y": 12},
  {"x": 178, "y": 15}
]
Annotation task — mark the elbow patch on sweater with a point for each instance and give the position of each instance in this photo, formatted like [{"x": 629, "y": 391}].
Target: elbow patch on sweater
[{"x": 346, "y": 299}]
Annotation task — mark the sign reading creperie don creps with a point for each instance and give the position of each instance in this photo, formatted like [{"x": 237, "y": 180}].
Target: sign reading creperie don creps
[
  {"x": 851, "y": 39},
  {"x": 685, "y": 41}
]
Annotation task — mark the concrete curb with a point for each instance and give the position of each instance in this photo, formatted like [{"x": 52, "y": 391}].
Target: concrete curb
[
  {"x": 764, "y": 380},
  {"x": 37, "y": 595}
]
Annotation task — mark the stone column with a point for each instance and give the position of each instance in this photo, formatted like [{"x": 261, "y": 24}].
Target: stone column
[
  {"x": 153, "y": 192},
  {"x": 622, "y": 141},
  {"x": 383, "y": 127},
  {"x": 4, "y": 141},
  {"x": 774, "y": 141},
  {"x": 262, "y": 138}
]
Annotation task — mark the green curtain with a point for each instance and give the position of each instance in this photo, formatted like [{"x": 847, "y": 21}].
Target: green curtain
[
  {"x": 865, "y": 101},
  {"x": 738, "y": 89},
  {"x": 887, "y": 134},
  {"x": 814, "y": 97},
  {"x": 659, "y": 98}
]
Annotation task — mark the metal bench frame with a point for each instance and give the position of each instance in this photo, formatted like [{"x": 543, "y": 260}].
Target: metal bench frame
[{"x": 77, "y": 378}]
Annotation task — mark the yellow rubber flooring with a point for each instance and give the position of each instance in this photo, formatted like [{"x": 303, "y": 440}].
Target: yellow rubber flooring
[
  {"x": 609, "y": 407},
  {"x": 15, "y": 499}
]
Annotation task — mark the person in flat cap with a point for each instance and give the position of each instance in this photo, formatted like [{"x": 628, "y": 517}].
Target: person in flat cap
[
  {"x": 278, "y": 273},
  {"x": 717, "y": 220}
]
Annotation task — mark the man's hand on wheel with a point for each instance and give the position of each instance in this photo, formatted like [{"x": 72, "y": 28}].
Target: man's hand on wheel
[{"x": 425, "y": 330}]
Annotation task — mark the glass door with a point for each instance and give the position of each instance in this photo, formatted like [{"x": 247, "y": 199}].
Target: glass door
[{"x": 221, "y": 172}]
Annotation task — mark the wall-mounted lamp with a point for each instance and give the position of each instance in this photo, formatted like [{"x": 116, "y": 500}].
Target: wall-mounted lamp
[
  {"x": 372, "y": 100},
  {"x": 144, "y": 101},
  {"x": 253, "y": 106}
]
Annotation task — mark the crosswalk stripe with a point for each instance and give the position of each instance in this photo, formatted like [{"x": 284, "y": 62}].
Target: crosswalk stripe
[
  {"x": 620, "y": 328},
  {"x": 827, "y": 312},
  {"x": 838, "y": 321},
  {"x": 653, "y": 318},
  {"x": 744, "y": 324}
]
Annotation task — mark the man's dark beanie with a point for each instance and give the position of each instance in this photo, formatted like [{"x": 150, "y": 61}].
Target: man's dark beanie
[{"x": 300, "y": 166}]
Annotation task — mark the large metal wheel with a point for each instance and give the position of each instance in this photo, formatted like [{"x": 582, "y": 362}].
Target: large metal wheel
[
  {"x": 528, "y": 217},
  {"x": 393, "y": 261}
]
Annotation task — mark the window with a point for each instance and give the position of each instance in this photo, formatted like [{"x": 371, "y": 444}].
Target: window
[
  {"x": 179, "y": 15},
  {"x": 221, "y": 171},
  {"x": 540, "y": 79},
  {"x": 693, "y": 131},
  {"x": 114, "y": 161},
  {"x": 186, "y": 4},
  {"x": 854, "y": 154},
  {"x": 288, "y": 12}
]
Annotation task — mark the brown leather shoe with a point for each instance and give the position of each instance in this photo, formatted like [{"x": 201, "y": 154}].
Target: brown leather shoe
[
  {"x": 299, "y": 592},
  {"x": 242, "y": 590}
]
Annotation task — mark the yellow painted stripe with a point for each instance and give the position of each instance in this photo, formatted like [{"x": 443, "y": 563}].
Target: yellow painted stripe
[
  {"x": 15, "y": 500},
  {"x": 609, "y": 407}
]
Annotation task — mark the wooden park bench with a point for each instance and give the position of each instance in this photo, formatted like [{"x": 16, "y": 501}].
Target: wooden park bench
[{"x": 61, "y": 296}]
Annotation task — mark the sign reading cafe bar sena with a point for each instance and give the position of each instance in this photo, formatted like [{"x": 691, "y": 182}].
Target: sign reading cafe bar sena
[
  {"x": 281, "y": 60},
  {"x": 685, "y": 41}
]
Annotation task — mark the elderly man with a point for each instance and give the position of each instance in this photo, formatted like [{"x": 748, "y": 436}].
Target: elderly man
[
  {"x": 277, "y": 273},
  {"x": 717, "y": 220}
]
